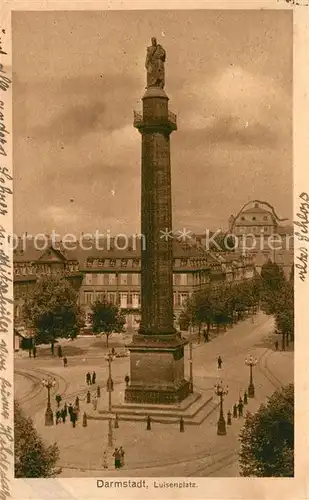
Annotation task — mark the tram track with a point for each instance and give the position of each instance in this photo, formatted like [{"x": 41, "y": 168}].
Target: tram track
[{"x": 60, "y": 387}]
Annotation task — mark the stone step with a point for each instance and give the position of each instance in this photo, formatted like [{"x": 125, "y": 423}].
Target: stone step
[
  {"x": 183, "y": 406},
  {"x": 204, "y": 410},
  {"x": 190, "y": 412}
]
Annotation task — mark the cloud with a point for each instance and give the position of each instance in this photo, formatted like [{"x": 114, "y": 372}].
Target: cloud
[
  {"x": 234, "y": 131},
  {"x": 73, "y": 123},
  {"x": 237, "y": 107}
]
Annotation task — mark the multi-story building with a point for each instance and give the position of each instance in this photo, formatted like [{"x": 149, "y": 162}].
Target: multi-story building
[
  {"x": 114, "y": 274},
  {"x": 260, "y": 233}
]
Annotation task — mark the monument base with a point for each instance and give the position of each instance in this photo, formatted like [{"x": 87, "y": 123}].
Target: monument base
[{"x": 157, "y": 370}]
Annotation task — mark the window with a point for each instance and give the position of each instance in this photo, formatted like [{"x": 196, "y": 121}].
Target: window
[
  {"x": 124, "y": 263},
  {"x": 135, "y": 300},
  {"x": 88, "y": 279},
  {"x": 123, "y": 279},
  {"x": 100, "y": 296},
  {"x": 111, "y": 297},
  {"x": 183, "y": 279},
  {"x": 183, "y": 262},
  {"x": 265, "y": 217},
  {"x": 112, "y": 262},
  {"x": 174, "y": 279},
  {"x": 123, "y": 300},
  {"x": 265, "y": 229},
  {"x": 242, "y": 218},
  {"x": 88, "y": 298},
  {"x": 112, "y": 279},
  {"x": 183, "y": 299},
  {"x": 136, "y": 263},
  {"x": 100, "y": 279},
  {"x": 174, "y": 299},
  {"x": 253, "y": 218},
  {"x": 135, "y": 279}
]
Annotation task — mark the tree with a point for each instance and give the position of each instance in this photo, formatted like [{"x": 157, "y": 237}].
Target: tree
[
  {"x": 272, "y": 276},
  {"x": 284, "y": 311},
  {"x": 267, "y": 438},
  {"x": 32, "y": 457},
  {"x": 106, "y": 318},
  {"x": 51, "y": 309}
]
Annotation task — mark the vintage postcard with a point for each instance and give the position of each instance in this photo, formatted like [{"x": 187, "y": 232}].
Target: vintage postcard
[{"x": 154, "y": 239}]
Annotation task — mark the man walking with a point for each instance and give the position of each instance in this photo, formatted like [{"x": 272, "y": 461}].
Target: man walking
[
  {"x": 63, "y": 415},
  {"x": 116, "y": 455},
  {"x": 88, "y": 378},
  {"x": 121, "y": 453},
  {"x": 94, "y": 376},
  {"x": 219, "y": 363}
]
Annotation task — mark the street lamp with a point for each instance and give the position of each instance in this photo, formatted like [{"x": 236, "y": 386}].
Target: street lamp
[
  {"x": 191, "y": 356},
  {"x": 110, "y": 387},
  {"x": 251, "y": 361},
  {"x": 221, "y": 391},
  {"x": 49, "y": 417}
]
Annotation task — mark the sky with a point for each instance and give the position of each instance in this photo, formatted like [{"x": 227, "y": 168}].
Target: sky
[{"x": 79, "y": 75}]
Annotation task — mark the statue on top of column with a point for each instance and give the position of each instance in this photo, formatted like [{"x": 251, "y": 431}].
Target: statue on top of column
[{"x": 155, "y": 60}]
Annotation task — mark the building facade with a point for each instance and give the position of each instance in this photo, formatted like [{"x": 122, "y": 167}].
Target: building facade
[
  {"x": 259, "y": 232},
  {"x": 114, "y": 274}
]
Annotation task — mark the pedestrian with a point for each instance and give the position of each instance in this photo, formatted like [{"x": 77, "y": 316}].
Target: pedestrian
[
  {"x": 121, "y": 453},
  {"x": 77, "y": 402},
  {"x": 70, "y": 410},
  {"x": 235, "y": 411},
  {"x": 58, "y": 416},
  {"x": 98, "y": 391},
  {"x": 94, "y": 376},
  {"x": 52, "y": 348},
  {"x": 65, "y": 362},
  {"x": 88, "y": 378},
  {"x": 59, "y": 351},
  {"x": 245, "y": 398},
  {"x": 63, "y": 415},
  {"x": 105, "y": 464},
  {"x": 65, "y": 409},
  {"x": 113, "y": 351},
  {"x": 116, "y": 455},
  {"x": 276, "y": 345},
  {"x": 219, "y": 362},
  {"x": 240, "y": 409},
  {"x": 127, "y": 380},
  {"x": 229, "y": 418},
  {"x": 73, "y": 418},
  {"x": 34, "y": 352}
]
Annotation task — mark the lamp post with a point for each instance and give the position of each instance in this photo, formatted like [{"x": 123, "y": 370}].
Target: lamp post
[
  {"x": 251, "y": 361},
  {"x": 191, "y": 356},
  {"x": 110, "y": 387},
  {"x": 221, "y": 392},
  {"x": 49, "y": 417}
]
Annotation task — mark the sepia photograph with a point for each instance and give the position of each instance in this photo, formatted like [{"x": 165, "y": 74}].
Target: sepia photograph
[{"x": 153, "y": 245}]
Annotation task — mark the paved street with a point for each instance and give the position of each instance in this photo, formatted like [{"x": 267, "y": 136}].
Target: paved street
[{"x": 163, "y": 451}]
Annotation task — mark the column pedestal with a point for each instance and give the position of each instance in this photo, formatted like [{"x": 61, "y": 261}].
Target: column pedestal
[{"x": 157, "y": 370}]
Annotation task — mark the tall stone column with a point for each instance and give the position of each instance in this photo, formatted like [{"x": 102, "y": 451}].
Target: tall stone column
[{"x": 157, "y": 351}]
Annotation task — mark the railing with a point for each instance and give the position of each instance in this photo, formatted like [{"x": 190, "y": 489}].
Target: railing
[{"x": 138, "y": 119}]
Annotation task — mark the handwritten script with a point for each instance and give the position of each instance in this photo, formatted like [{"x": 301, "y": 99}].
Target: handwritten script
[
  {"x": 6, "y": 390},
  {"x": 302, "y": 234}
]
